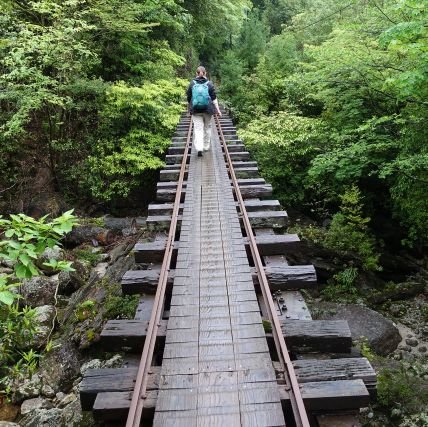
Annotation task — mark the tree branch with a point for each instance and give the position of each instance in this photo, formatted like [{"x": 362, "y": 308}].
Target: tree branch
[{"x": 7, "y": 189}]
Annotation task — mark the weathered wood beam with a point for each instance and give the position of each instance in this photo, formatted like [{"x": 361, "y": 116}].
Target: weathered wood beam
[
  {"x": 317, "y": 336},
  {"x": 168, "y": 195},
  {"x": 156, "y": 209},
  {"x": 110, "y": 380},
  {"x": 171, "y": 175},
  {"x": 161, "y": 222},
  {"x": 169, "y": 185},
  {"x": 317, "y": 396},
  {"x": 178, "y": 148},
  {"x": 255, "y": 191},
  {"x": 255, "y": 205},
  {"x": 274, "y": 219},
  {"x": 237, "y": 164},
  {"x": 277, "y": 244},
  {"x": 288, "y": 277},
  {"x": 247, "y": 191},
  {"x": 239, "y": 156},
  {"x": 317, "y": 370},
  {"x": 130, "y": 334},
  {"x": 326, "y": 396},
  {"x": 280, "y": 278},
  {"x": 173, "y": 167},
  {"x": 251, "y": 205},
  {"x": 175, "y": 159},
  {"x": 114, "y": 406},
  {"x": 302, "y": 336},
  {"x": 241, "y": 182}
]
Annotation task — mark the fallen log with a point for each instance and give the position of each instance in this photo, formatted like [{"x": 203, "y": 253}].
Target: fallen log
[{"x": 89, "y": 233}]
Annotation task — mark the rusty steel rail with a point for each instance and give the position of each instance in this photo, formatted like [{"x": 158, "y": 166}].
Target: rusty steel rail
[
  {"x": 299, "y": 410},
  {"x": 139, "y": 393}
]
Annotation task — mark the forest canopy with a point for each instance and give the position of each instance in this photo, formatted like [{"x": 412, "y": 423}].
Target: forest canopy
[{"x": 337, "y": 97}]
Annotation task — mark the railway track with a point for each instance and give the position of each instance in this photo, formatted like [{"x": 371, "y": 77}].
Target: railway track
[{"x": 207, "y": 282}]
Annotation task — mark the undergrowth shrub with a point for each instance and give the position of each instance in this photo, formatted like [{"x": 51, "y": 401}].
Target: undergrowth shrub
[
  {"x": 24, "y": 240},
  {"x": 348, "y": 231},
  {"x": 404, "y": 388},
  {"x": 342, "y": 286},
  {"x": 121, "y": 307}
]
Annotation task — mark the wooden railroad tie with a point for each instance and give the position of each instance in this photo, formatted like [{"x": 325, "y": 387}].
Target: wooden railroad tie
[{"x": 107, "y": 391}]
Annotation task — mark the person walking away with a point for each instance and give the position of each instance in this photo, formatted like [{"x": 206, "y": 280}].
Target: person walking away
[{"x": 203, "y": 103}]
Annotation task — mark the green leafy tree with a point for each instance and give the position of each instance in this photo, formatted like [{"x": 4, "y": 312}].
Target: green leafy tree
[
  {"x": 284, "y": 145},
  {"x": 135, "y": 126},
  {"x": 348, "y": 231},
  {"x": 213, "y": 26},
  {"x": 252, "y": 40}
]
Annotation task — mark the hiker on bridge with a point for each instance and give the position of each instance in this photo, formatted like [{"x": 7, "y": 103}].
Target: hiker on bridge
[{"x": 203, "y": 103}]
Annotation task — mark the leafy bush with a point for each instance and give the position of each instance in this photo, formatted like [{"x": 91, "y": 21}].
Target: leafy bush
[
  {"x": 27, "y": 239},
  {"x": 361, "y": 73},
  {"x": 85, "y": 310},
  {"x": 88, "y": 256},
  {"x": 348, "y": 231},
  {"x": 89, "y": 92},
  {"x": 134, "y": 131},
  {"x": 284, "y": 144},
  {"x": 121, "y": 307},
  {"x": 342, "y": 286},
  {"x": 309, "y": 232}
]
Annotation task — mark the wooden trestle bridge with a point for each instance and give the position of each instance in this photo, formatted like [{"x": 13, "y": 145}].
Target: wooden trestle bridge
[{"x": 223, "y": 334}]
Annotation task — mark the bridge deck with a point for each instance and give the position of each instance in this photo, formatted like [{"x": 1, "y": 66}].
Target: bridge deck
[{"x": 216, "y": 368}]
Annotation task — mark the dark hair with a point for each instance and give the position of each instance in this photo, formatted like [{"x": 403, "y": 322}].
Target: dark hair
[{"x": 201, "y": 71}]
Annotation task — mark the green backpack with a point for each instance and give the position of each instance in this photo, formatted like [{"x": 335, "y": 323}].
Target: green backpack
[{"x": 200, "y": 96}]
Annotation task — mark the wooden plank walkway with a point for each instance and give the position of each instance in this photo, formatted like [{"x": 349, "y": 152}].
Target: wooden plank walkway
[{"x": 216, "y": 368}]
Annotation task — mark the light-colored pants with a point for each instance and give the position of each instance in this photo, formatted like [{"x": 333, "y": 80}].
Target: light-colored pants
[{"x": 201, "y": 131}]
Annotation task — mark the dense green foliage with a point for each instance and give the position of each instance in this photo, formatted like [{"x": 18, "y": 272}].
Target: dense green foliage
[
  {"x": 338, "y": 97},
  {"x": 27, "y": 239},
  {"x": 76, "y": 78},
  {"x": 348, "y": 231}
]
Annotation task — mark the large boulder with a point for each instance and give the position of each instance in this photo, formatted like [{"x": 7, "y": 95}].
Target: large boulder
[
  {"x": 27, "y": 389},
  {"x": 60, "y": 367},
  {"x": 43, "y": 418},
  {"x": 381, "y": 333},
  {"x": 71, "y": 281},
  {"x": 44, "y": 317},
  {"x": 33, "y": 404},
  {"x": 55, "y": 253},
  {"x": 68, "y": 414},
  {"x": 38, "y": 291}
]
